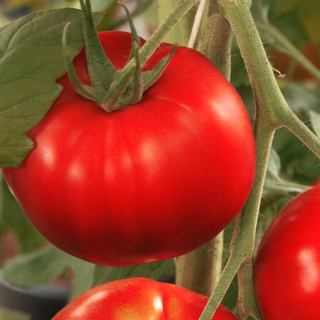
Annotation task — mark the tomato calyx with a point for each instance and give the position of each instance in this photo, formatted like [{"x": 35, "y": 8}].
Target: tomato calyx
[{"x": 111, "y": 89}]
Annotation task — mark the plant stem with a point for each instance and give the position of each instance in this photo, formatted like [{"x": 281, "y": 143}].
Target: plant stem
[
  {"x": 181, "y": 32},
  {"x": 265, "y": 88},
  {"x": 247, "y": 304},
  {"x": 264, "y": 85},
  {"x": 165, "y": 27},
  {"x": 299, "y": 129},
  {"x": 272, "y": 112},
  {"x": 162, "y": 31}
]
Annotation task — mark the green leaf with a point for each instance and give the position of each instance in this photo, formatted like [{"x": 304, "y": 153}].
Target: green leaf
[
  {"x": 231, "y": 297},
  {"x": 268, "y": 212},
  {"x": 36, "y": 268},
  {"x": 261, "y": 9},
  {"x": 6, "y": 314},
  {"x": 99, "y": 5},
  {"x": 298, "y": 163},
  {"x": 274, "y": 166},
  {"x": 83, "y": 276},
  {"x": 153, "y": 270},
  {"x": 13, "y": 217},
  {"x": 291, "y": 28},
  {"x": 239, "y": 76},
  {"x": 43, "y": 265},
  {"x": 30, "y": 63},
  {"x": 307, "y": 12},
  {"x": 315, "y": 122}
]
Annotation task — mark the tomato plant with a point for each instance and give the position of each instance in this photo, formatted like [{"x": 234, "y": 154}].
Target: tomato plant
[
  {"x": 150, "y": 181},
  {"x": 160, "y": 169},
  {"x": 287, "y": 266},
  {"x": 139, "y": 298}
]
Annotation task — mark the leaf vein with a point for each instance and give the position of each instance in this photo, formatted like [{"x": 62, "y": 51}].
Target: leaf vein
[{"x": 19, "y": 104}]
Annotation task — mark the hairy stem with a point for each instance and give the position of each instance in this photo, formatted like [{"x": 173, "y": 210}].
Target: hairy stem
[
  {"x": 264, "y": 85},
  {"x": 299, "y": 129},
  {"x": 247, "y": 304},
  {"x": 181, "y": 32},
  {"x": 272, "y": 112},
  {"x": 162, "y": 31}
]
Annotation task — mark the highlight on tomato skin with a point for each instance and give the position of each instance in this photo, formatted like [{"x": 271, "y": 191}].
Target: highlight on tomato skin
[
  {"x": 287, "y": 264},
  {"x": 137, "y": 299},
  {"x": 149, "y": 182}
]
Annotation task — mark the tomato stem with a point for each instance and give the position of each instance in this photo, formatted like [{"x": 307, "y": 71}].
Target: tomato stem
[
  {"x": 165, "y": 27},
  {"x": 181, "y": 30},
  {"x": 265, "y": 87}
]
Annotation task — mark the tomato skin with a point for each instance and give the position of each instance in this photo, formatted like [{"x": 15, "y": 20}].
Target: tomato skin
[
  {"x": 151, "y": 181},
  {"x": 287, "y": 265},
  {"x": 137, "y": 299}
]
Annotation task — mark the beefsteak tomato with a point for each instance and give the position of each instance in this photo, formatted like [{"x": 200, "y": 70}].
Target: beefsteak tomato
[
  {"x": 139, "y": 298},
  {"x": 287, "y": 265},
  {"x": 150, "y": 181}
]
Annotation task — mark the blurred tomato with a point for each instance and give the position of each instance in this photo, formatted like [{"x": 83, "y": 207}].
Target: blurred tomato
[{"x": 139, "y": 299}]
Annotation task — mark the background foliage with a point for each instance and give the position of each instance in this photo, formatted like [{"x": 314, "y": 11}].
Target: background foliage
[{"x": 31, "y": 261}]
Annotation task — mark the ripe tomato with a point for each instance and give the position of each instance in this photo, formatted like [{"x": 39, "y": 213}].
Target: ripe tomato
[
  {"x": 148, "y": 182},
  {"x": 139, "y": 298},
  {"x": 287, "y": 266}
]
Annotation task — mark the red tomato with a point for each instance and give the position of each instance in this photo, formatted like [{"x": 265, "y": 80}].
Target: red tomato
[
  {"x": 139, "y": 298},
  {"x": 151, "y": 181},
  {"x": 287, "y": 266}
]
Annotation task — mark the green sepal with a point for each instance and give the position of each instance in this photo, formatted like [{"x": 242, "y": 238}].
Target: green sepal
[
  {"x": 91, "y": 93},
  {"x": 118, "y": 87},
  {"x": 101, "y": 70},
  {"x": 134, "y": 34},
  {"x": 112, "y": 89},
  {"x": 150, "y": 77},
  {"x": 134, "y": 91}
]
